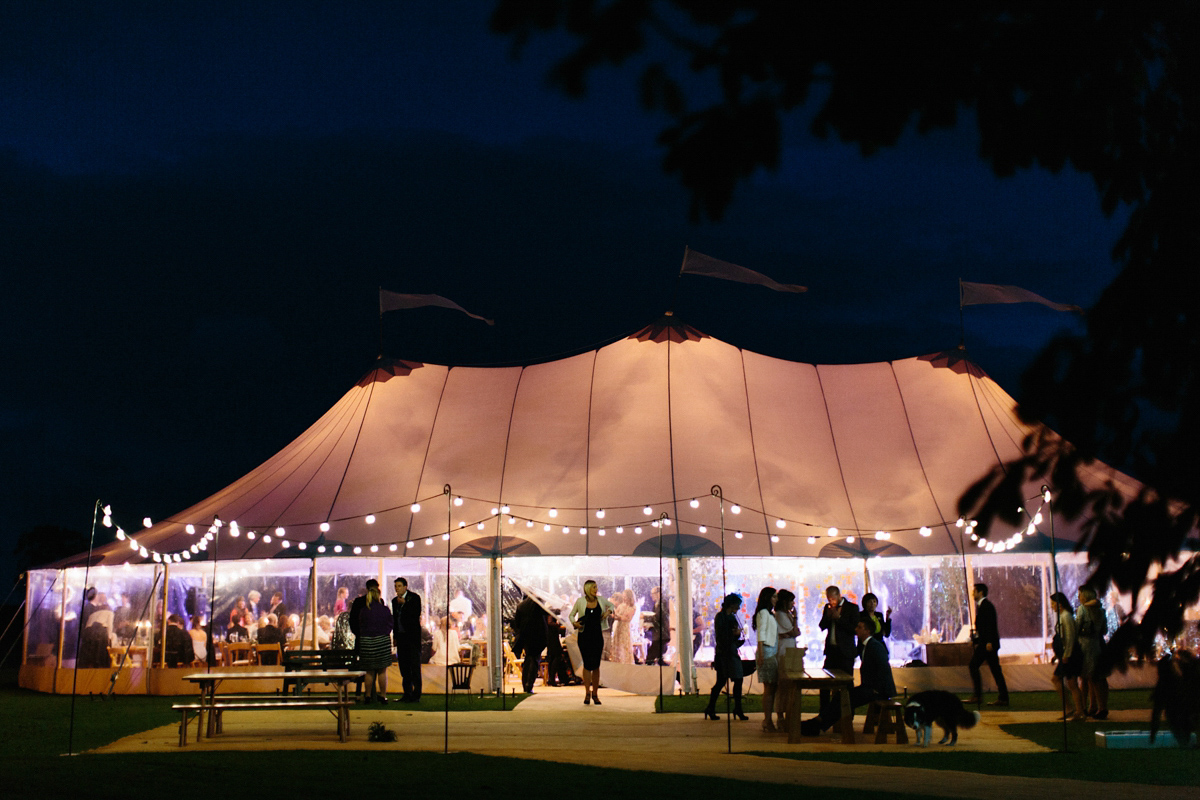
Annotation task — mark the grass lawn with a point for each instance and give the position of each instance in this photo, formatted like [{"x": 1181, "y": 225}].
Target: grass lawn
[
  {"x": 35, "y": 729},
  {"x": 1082, "y": 759}
]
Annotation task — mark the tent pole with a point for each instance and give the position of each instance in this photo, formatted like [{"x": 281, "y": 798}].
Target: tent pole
[
  {"x": 683, "y": 622},
  {"x": 446, "y": 632},
  {"x": 79, "y": 631},
  {"x": 718, "y": 493}
]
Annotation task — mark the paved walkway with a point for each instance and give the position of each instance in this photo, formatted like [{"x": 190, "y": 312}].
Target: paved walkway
[{"x": 626, "y": 733}]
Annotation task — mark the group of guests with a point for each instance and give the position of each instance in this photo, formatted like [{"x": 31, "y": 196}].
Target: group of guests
[
  {"x": 849, "y": 632},
  {"x": 1078, "y": 640},
  {"x": 375, "y": 625}
]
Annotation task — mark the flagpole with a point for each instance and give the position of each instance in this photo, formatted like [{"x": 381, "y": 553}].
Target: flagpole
[
  {"x": 962, "y": 330},
  {"x": 678, "y": 277}
]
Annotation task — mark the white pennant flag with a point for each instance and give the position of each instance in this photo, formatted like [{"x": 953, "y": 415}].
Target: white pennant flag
[
  {"x": 699, "y": 264},
  {"x": 394, "y": 301},
  {"x": 973, "y": 294}
]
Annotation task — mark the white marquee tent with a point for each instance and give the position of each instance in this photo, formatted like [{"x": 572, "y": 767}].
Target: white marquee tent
[
  {"x": 634, "y": 430},
  {"x": 667, "y": 444}
]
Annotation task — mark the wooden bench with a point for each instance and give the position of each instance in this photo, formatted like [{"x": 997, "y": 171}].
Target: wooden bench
[
  {"x": 312, "y": 660},
  {"x": 886, "y": 717},
  {"x": 259, "y": 703}
]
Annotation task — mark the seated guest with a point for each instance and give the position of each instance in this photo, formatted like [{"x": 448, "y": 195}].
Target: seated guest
[
  {"x": 324, "y": 630},
  {"x": 238, "y": 620},
  {"x": 269, "y": 633},
  {"x": 199, "y": 638},
  {"x": 180, "y": 652},
  {"x": 427, "y": 643},
  {"x": 446, "y": 643},
  {"x": 286, "y": 624},
  {"x": 875, "y": 676}
]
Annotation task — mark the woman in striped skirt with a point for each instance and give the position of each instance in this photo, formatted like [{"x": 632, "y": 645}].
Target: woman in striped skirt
[{"x": 375, "y": 643}]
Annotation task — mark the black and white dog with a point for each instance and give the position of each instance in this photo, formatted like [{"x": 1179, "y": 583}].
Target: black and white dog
[{"x": 926, "y": 708}]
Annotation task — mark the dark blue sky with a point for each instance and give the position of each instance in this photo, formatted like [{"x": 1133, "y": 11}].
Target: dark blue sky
[{"x": 200, "y": 200}]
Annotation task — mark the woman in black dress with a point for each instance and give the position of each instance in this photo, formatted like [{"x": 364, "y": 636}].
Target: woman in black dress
[
  {"x": 726, "y": 661},
  {"x": 590, "y": 616}
]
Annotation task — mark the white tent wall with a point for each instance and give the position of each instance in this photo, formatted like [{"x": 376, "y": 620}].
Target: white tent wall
[{"x": 927, "y": 594}]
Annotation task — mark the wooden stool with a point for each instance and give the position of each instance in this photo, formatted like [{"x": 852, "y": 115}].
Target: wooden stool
[{"x": 885, "y": 717}]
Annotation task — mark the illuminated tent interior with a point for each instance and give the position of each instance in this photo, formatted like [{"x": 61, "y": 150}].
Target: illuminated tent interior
[{"x": 667, "y": 446}]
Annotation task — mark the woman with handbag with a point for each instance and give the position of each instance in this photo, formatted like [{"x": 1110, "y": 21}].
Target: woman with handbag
[{"x": 1069, "y": 655}]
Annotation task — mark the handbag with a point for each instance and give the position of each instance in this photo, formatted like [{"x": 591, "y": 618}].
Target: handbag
[{"x": 748, "y": 667}]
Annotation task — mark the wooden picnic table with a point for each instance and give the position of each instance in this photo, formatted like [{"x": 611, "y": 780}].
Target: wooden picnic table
[
  {"x": 211, "y": 706},
  {"x": 832, "y": 680}
]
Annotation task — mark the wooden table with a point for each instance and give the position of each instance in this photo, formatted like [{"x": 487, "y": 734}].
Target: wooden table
[
  {"x": 831, "y": 680},
  {"x": 210, "y": 703}
]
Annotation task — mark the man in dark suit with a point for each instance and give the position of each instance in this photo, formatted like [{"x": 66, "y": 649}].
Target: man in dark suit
[
  {"x": 875, "y": 681},
  {"x": 406, "y": 630},
  {"x": 529, "y": 628},
  {"x": 658, "y": 628},
  {"x": 839, "y": 619},
  {"x": 986, "y": 638}
]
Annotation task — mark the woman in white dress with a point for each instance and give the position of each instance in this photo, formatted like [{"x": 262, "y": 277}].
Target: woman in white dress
[
  {"x": 766, "y": 657},
  {"x": 446, "y": 644}
]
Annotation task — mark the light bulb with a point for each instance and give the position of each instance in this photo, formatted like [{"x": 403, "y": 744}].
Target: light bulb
[
  {"x": 415, "y": 507},
  {"x": 458, "y": 501},
  {"x": 553, "y": 513},
  {"x": 320, "y": 548},
  {"x": 285, "y": 543},
  {"x": 620, "y": 529},
  {"x": 409, "y": 544},
  {"x": 960, "y": 522},
  {"x": 832, "y": 531},
  {"x": 638, "y": 530},
  {"x": 694, "y": 503},
  {"x": 647, "y": 511},
  {"x": 774, "y": 538},
  {"x": 393, "y": 547},
  {"x": 190, "y": 528},
  {"x": 703, "y": 529},
  {"x": 267, "y": 538},
  {"x": 812, "y": 540},
  {"x": 146, "y": 523},
  {"x": 599, "y": 513},
  {"x": 737, "y": 535},
  {"x": 735, "y": 508},
  {"x": 428, "y": 541},
  {"x": 324, "y": 527},
  {"x": 926, "y": 530},
  {"x": 369, "y": 519},
  {"x": 600, "y": 532},
  {"x": 780, "y": 523},
  {"x": 374, "y": 548},
  {"x": 302, "y": 546}
]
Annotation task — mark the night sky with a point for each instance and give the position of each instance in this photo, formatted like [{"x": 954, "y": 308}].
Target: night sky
[{"x": 199, "y": 202}]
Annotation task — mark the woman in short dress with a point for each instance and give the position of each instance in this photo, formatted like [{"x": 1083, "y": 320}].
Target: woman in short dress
[
  {"x": 1069, "y": 654},
  {"x": 590, "y": 615},
  {"x": 766, "y": 657},
  {"x": 728, "y": 635},
  {"x": 375, "y": 642}
]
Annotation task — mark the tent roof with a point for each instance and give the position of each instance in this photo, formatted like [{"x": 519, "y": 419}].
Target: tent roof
[{"x": 654, "y": 420}]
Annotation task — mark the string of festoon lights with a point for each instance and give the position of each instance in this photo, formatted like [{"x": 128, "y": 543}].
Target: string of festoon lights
[{"x": 546, "y": 519}]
